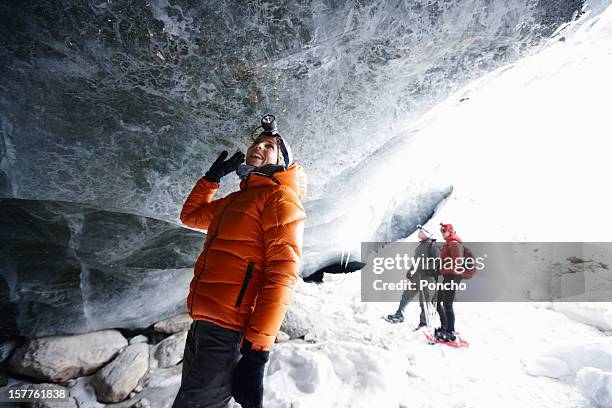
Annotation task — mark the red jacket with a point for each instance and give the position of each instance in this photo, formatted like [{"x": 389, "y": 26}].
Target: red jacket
[
  {"x": 452, "y": 249},
  {"x": 245, "y": 276}
]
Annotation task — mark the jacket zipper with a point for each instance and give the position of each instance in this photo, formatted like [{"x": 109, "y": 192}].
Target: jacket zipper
[
  {"x": 245, "y": 283},
  {"x": 212, "y": 238}
]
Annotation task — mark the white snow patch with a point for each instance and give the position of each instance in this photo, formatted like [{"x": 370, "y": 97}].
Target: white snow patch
[
  {"x": 596, "y": 384},
  {"x": 333, "y": 374},
  {"x": 597, "y": 314}
]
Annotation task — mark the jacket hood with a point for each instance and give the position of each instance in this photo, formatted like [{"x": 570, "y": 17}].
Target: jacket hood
[{"x": 293, "y": 177}]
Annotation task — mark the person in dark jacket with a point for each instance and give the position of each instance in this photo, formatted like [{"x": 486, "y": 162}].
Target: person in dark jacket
[
  {"x": 451, "y": 251},
  {"x": 426, "y": 271}
]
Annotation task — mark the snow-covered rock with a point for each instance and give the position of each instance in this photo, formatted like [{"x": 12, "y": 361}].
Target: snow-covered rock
[
  {"x": 298, "y": 322},
  {"x": 306, "y": 317},
  {"x": 597, "y": 314},
  {"x": 174, "y": 324},
  {"x": 169, "y": 351},
  {"x": 116, "y": 380},
  {"x": 59, "y": 358},
  {"x": 596, "y": 384},
  {"x": 567, "y": 359}
]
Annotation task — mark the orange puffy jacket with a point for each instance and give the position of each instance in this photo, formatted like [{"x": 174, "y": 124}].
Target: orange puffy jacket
[{"x": 244, "y": 278}]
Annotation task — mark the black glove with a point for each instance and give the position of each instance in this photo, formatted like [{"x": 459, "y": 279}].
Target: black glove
[
  {"x": 247, "y": 387},
  {"x": 222, "y": 168}
]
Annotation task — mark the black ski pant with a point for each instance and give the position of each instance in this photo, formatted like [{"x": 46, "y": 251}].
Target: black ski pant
[
  {"x": 446, "y": 297},
  {"x": 425, "y": 295},
  {"x": 211, "y": 354}
]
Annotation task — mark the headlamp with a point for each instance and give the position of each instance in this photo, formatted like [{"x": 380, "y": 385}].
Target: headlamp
[{"x": 268, "y": 123}]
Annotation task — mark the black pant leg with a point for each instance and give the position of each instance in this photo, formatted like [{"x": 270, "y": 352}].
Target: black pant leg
[
  {"x": 444, "y": 306},
  {"x": 441, "y": 311},
  {"x": 448, "y": 300},
  {"x": 450, "y": 312},
  {"x": 207, "y": 379},
  {"x": 190, "y": 349}
]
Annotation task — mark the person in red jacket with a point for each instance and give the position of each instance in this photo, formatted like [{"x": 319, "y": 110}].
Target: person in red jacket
[
  {"x": 451, "y": 251},
  {"x": 244, "y": 278}
]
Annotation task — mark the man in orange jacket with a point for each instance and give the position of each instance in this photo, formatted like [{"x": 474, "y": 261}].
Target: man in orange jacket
[{"x": 244, "y": 277}]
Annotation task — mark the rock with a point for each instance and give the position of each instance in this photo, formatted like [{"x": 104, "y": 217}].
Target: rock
[
  {"x": 59, "y": 358},
  {"x": 143, "y": 403},
  {"x": 116, "y": 380},
  {"x": 282, "y": 337},
  {"x": 3, "y": 380},
  {"x": 132, "y": 394},
  {"x": 578, "y": 260},
  {"x": 70, "y": 383},
  {"x": 298, "y": 321},
  {"x": 169, "y": 351},
  {"x": 139, "y": 339},
  {"x": 138, "y": 388},
  {"x": 6, "y": 349},
  {"x": 174, "y": 324},
  {"x": 68, "y": 402},
  {"x": 162, "y": 377},
  {"x": 92, "y": 254}
]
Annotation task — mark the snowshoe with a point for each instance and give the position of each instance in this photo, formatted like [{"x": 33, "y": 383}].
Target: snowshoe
[
  {"x": 394, "y": 318},
  {"x": 441, "y": 337}
]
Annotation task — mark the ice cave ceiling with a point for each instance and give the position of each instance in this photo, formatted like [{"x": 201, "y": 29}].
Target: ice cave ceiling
[{"x": 111, "y": 110}]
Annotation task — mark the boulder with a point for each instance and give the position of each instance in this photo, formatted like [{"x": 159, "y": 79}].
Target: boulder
[
  {"x": 281, "y": 337},
  {"x": 143, "y": 403},
  {"x": 169, "y": 351},
  {"x": 299, "y": 320},
  {"x": 68, "y": 402},
  {"x": 139, "y": 339},
  {"x": 59, "y": 358},
  {"x": 79, "y": 263},
  {"x": 6, "y": 349},
  {"x": 117, "y": 380},
  {"x": 174, "y": 324},
  {"x": 161, "y": 377}
]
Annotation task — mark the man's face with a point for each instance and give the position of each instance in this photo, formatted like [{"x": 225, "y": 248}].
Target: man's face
[
  {"x": 263, "y": 151},
  {"x": 422, "y": 235}
]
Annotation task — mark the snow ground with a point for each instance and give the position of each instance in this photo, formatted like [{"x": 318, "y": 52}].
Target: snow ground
[
  {"x": 525, "y": 149},
  {"x": 359, "y": 358}
]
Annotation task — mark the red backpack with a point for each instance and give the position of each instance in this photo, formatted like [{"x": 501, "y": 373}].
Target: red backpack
[{"x": 468, "y": 254}]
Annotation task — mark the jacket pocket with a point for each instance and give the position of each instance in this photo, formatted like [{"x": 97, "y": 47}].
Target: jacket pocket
[{"x": 245, "y": 283}]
